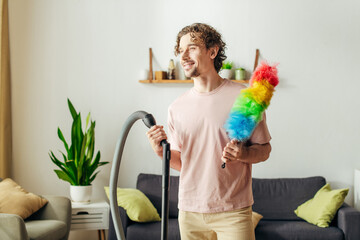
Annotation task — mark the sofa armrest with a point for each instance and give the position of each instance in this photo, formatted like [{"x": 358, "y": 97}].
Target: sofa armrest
[
  {"x": 125, "y": 220},
  {"x": 12, "y": 227},
  {"x": 58, "y": 208},
  {"x": 349, "y": 222}
]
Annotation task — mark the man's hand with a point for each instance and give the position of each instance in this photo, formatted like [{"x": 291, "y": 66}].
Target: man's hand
[
  {"x": 233, "y": 151},
  {"x": 238, "y": 151},
  {"x": 155, "y": 135}
]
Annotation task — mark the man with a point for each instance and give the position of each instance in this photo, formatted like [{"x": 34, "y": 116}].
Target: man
[{"x": 214, "y": 203}]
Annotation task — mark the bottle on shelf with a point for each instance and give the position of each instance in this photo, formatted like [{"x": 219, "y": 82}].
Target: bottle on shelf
[{"x": 171, "y": 70}]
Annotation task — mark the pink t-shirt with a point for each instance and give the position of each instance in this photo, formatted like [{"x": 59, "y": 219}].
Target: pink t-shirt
[{"x": 196, "y": 129}]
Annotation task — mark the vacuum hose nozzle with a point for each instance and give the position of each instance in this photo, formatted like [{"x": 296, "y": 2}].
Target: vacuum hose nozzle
[{"x": 149, "y": 120}]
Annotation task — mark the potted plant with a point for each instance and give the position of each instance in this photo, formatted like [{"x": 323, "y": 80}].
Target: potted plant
[
  {"x": 79, "y": 164},
  {"x": 226, "y": 70}
]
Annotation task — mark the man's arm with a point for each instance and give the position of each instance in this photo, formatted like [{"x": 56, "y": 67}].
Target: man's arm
[
  {"x": 256, "y": 153},
  {"x": 238, "y": 151},
  {"x": 155, "y": 135},
  {"x": 175, "y": 160}
]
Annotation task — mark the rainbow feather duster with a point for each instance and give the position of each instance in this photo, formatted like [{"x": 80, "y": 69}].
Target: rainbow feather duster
[{"x": 249, "y": 106}]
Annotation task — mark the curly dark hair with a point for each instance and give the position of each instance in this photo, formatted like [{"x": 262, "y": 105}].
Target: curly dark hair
[{"x": 209, "y": 36}]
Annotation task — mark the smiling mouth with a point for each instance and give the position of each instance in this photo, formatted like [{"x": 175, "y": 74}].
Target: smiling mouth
[{"x": 187, "y": 65}]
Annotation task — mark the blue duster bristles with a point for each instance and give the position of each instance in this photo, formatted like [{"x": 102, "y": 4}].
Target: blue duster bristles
[{"x": 239, "y": 126}]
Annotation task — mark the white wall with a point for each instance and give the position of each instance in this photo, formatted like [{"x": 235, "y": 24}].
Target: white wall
[{"x": 92, "y": 52}]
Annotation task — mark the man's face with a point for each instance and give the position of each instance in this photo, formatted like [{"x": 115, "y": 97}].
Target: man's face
[{"x": 195, "y": 58}]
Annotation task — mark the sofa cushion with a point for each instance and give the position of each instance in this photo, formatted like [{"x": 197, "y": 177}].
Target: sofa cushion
[
  {"x": 295, "y": 230},
  {"x": 138, "y": 207},
  {"x": 141, "y": 231},
  {"x": 151, "y": 186},
  {"x": 276, "y": 199},
  {"x": 255, "y": 218},
  {"x": 321, "y": 209},
  {"x": 16, "y": 200}
]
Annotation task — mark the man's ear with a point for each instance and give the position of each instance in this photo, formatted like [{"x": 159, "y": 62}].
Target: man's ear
[{"x": 214, "y": 51}]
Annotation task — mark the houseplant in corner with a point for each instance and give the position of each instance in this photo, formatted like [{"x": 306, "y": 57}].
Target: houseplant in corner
[{"x": 79, "y": 165}]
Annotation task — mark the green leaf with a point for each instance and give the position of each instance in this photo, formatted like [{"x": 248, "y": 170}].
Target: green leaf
[
  {"x": 56, "y": 161},
  {"x": 64, "y": 176},
  {"x": 83, "y": 148},
  {"x": 81, "y": 170},
  {"x": 72, "y": 109},
  {"x": 91, "y": 141},
  {"x": 95, "y": 164},
  {"x": 102, "y": 163},
  {"x": 61, "y": 136},
  {"x": 87, "y": 121},
  {"x": 64, "y": 168},
  {"x": 76, "y": 138},
  {"x": 70, "y": 167},
  {"x": 93, "y": 177},
  {"x": 71, "y": 153},
  {"x": 79, "y": 132}
]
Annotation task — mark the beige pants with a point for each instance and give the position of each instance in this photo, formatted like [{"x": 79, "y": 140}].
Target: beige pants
[{"x": 233, "y": 225}]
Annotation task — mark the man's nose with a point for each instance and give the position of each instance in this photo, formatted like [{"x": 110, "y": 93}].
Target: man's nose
[{"x": 185, "y": 55}]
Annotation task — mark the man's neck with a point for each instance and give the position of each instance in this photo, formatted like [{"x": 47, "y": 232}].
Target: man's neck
[{"x": 207, "y": 83}]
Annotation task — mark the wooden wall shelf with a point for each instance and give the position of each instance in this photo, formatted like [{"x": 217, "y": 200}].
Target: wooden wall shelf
[
  {"x": 182, "y": 81},
  {"x": 151, "y": 80}
]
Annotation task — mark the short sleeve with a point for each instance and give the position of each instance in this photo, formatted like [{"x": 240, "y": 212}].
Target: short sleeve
[
  {"x": 173, "y": 138},
  {"x": 261, "y": 133}
]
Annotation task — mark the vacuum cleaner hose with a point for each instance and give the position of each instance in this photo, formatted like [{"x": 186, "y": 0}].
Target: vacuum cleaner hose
[{"x": 149, "y": 121}]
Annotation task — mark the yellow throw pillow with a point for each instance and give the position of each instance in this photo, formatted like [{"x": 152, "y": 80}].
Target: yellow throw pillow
[
  {"x": 256, "y": 217},
  {"x": 16, "y": 200},
  {"x": 321, "y": 209},
  {"x": 138, "y": 207}
]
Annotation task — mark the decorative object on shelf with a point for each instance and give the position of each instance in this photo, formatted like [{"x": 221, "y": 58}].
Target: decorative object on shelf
[
  {"x": 240, "y": 74},
  {"x": 171, "y": 70},
  {"x": 150, "y": 65},
  {"x": 357, "y": 189},
  {"x": 257, "y": 55},
  {"x": 226, "y": 70},
  {"x": 160, "y": 75},
  {"x": 81, "y": 194},
  {"x": 144, "y": 74},
  {"x": 79, "y": 165}
]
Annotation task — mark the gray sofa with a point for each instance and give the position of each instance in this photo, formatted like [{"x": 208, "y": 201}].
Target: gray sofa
[
  {"x": 275, "y": 199},
  {"x": 51, "y": 222}
]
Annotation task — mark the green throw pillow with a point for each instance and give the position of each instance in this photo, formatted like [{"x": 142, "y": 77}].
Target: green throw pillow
[
  {"x": 138, "y": 207},
  {"x": 321, "y": 209}
]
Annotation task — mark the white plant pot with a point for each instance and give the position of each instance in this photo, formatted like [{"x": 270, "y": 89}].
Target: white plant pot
[
  {"x": 81, "y": 194},
  {"x": 226, "y": 73}
]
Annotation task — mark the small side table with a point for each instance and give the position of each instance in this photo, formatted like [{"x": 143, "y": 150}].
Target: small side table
[{"x": 92, "y": 216}]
